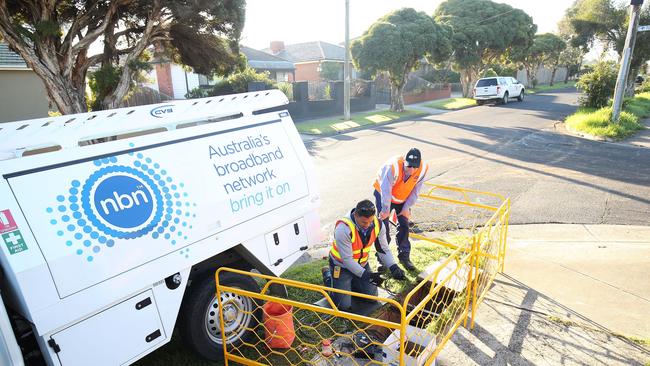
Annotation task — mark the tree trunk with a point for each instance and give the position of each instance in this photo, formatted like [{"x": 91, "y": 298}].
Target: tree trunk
[
  {"x": 553, "y": 75},
  {"x": 396, "y": 96},
  {"x": 566, "y": 76},
  {"x": 468, "y": 78},
  {"x": 67, "y": 98}
]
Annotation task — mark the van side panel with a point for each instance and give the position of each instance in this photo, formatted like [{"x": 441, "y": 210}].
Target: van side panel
[{"x": 114, "y": 213}]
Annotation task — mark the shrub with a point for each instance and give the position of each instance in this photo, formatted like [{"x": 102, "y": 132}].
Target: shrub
[
  {"x": 645, "y": 86},
  {"x": 238, "y": 82},
  {"x": 598, "y": 84},
  {"x": 330, "y": 70},
  {"x": 287, "y": 89},
  {"x": 196, "y": 93}
]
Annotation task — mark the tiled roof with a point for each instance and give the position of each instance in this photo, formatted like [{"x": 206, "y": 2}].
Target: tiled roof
[
  {"x": 311, "y": 51},
  {"x": 262, "y": 60},
  {"x": 9, "y": 58}
]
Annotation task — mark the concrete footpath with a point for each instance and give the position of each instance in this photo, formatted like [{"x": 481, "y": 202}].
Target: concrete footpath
[{"x": 567, "y": 296}]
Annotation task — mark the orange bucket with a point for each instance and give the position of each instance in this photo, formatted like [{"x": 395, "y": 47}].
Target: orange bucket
[{"x": 278, "y": 325}]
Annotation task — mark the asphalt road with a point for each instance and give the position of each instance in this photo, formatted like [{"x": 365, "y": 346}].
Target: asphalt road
[{"x": 513, "y": 150}]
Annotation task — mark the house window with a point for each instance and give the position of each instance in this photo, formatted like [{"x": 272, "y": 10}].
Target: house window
[
  {"x": 203, "y": 80},
  {"x": 282, "y": 76}
]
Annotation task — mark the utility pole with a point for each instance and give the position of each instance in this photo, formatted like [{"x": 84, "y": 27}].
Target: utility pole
[
  {"x": 346, "y": 66},
  {"x": 621, "y": 81}
]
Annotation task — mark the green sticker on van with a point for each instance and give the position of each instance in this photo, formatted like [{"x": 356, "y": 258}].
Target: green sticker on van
[{"x": 14, "y": 241}]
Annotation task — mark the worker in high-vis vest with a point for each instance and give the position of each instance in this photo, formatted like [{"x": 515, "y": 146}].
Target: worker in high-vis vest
[
  {"x": 396, "y": 188},
  {"x": 354, "y": 236}
]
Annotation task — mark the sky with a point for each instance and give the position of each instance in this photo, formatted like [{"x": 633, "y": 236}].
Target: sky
[{"x": 296, "y": 21}]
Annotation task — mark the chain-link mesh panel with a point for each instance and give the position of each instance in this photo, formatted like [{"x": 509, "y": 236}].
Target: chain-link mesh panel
[{"x": 459, "y": 243}]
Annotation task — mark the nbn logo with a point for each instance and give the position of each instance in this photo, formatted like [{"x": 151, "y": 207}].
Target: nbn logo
[
  {"x": 123, "y": 201},
  {"x": 159, "y": 112}
]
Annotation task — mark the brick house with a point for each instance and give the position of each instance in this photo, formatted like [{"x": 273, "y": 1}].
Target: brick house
[
  {"x": 279, "y": 69},
  {"x": 309, "y": 57}
]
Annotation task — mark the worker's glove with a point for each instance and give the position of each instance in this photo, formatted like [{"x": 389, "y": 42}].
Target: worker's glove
[
  {"x": 397, "y": 272},
  {"x": 372, "y": 277}
]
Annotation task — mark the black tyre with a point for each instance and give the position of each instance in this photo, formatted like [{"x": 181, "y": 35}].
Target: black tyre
[
  {"x": 480, "y": 102},
  {"x": 521, "y": 95},
  {"x": 199, "y": 319},
  {"x": 504, "y": 100}
]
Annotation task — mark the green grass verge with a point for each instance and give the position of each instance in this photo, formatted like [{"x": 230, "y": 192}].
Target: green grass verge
[
  {"x": 597, "y": 122},
  {"x": 452, "y": 103},
  {"x": 327, "y": 126},
  {"x": 556, "y": 86}
]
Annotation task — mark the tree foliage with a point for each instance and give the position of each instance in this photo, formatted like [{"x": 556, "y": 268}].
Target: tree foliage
[
  {"x": 545, "y": 50},
  {"x": 238, "y": 82},
  {"x": 483, "y": 32},
  {"x": 607, "y": 21},
  {"x": 55, "y": 37},
  {"x": 396, "y": 43}
]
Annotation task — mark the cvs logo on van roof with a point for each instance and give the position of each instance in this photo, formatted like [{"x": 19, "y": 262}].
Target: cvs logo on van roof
[{"x": 160, "y": 112}]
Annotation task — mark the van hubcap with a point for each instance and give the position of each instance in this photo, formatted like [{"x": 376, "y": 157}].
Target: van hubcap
[{"x": 237, "y": 313}]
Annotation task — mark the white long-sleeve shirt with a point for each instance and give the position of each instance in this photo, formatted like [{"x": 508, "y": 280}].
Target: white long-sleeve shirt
[
  {"x": 342, "y": 235},
  {"x": 387, "y": 177}
]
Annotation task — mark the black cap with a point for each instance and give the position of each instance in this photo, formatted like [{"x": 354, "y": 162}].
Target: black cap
[
  {"x": 413, "y": 158},
  {"x": 365, "y": 208}
]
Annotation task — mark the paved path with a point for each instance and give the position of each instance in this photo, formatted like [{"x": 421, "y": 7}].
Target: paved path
[{"x": 566, "y": 292}]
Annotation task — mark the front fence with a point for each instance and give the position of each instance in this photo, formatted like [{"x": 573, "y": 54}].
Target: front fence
[{"x": 461, "y": 237}]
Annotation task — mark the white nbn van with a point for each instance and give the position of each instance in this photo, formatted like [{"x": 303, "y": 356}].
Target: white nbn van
[{"x": 114, "y": 222}]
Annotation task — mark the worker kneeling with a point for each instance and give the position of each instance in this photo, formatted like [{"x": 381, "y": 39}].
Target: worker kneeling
[{"x": 349, "y": 270}]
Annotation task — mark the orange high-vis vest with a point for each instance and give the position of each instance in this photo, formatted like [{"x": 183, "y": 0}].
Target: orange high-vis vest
[
  {"x": 401, "y": 189},
  {"x": 359, "y": 250}
]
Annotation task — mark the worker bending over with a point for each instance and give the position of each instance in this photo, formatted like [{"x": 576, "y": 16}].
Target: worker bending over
[{"x": 354, "y": 236}]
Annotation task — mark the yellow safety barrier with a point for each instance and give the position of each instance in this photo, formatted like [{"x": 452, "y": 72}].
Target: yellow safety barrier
[{"x": 468, "y": 227}]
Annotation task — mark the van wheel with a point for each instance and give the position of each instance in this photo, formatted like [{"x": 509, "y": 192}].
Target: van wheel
[
  {"x": 504, "y": 100},
  {"x": 199, "y": 321},
  {"x": 480, "y": 102},
  {"x": 521, "y": 96}
]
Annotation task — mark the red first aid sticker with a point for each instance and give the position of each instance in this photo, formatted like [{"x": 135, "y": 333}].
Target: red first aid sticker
[{"x": 7, "y": 222}]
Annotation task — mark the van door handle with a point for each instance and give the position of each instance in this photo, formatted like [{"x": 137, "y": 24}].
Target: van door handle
[
  {"x": 153, "y": 336},
  {"x": 143, "y": 304},
  {"x": 276, "y": 239},
  {"x": 296, "y": 229}
]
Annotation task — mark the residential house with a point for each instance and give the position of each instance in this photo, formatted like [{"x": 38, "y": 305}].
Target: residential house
[
  {"x": 22, "y": 95},
  {"x": 279, "y": 69},
  {"x": 309, "y": 57},
  {"x": 173, "y": 80}
]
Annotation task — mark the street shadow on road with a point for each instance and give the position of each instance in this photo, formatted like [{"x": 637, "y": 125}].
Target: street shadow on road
[
  {"x": 512, "y": 145},
  {"x": 517, "y": 325},
  {"x": 544, "y": 106}
]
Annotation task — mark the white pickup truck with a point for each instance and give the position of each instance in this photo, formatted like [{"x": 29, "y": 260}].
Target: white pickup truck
[
  {"x": 500, "y": 89},
  {"x": 114, "y": 222}
]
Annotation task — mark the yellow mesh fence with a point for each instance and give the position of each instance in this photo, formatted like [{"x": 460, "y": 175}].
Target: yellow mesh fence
[{"x": 406, "y": 324}]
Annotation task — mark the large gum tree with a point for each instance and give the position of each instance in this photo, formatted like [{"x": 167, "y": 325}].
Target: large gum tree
[
  {"x": 55, "y": 38},
  {"x": 484, "y": 32},
  {"x": 396, "y": 43},
  {"x": 606, "y": 21}
]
